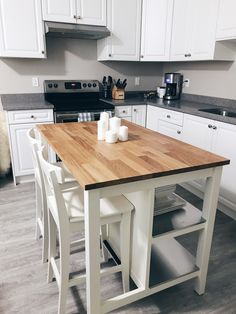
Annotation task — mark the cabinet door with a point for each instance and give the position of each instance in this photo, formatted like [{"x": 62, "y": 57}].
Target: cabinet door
[
  {"x": 197, "y": 131},
  {"x": 156, "y": 30},
  {"x": 202, "y": 42},
  {"x": 124, "y": 22},
  {"x": 21, "y": 151},
  {"x": 152, "y": 118},
  {"x": 139, "y": 115},
  {"x": 21, "y": 29},
  {"x": 59, "y": 11},
  {"x": 170, "y": 129},
  {"x": 181, "y": 30},
  {"x": 226, "y": 23},
  {"x": 224, "y": 144},
  {"x": 91, "y": 12}
]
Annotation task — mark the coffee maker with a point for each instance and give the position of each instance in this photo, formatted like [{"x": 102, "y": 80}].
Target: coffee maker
[{"x": 174, "y": 83}]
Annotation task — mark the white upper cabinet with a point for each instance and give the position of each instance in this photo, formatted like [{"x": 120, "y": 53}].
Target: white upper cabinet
[
  {"x": 226, "y": 23},
  {"x": 90, "y": 12},
  {"x": 21, "y": 29},
  {"x": 156, "y": 30},
  {"x": 193, "y": 32},
  {"x": 59, "y": 11},
  {"x": 124, "y": 22}
]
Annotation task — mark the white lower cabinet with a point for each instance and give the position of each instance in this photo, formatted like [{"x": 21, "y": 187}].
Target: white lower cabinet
[
  {"x": 135, "y": 114},
  {"x": 152, "y": 118},
  {"x": 21, "y": 158},
  {"x": 165, "y": 121},
  {"x": 210, "y": 135},
  {"x": 139, "y": 115},
  {"x": 219, "y": 138}
]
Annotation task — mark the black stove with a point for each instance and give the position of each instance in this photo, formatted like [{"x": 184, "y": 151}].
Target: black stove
[{"x": 75, "y": 100}]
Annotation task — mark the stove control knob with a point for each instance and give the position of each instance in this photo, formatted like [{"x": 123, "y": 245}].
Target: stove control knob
[
  {"x": 55, "y": 85},
  {"x": 89, "y": 85},
  {"x": 84, "y": 85},
  {"x": 50, "y": 85},
  {"x": 94, "y": 85}
]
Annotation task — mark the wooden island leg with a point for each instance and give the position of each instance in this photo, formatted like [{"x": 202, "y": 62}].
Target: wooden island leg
[
  {"x": 92, "y": 245},
  {"x": 205, "y": 236}
]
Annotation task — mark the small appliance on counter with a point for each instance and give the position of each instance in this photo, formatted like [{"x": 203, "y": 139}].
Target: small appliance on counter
[{"x": 174, "y": 84}]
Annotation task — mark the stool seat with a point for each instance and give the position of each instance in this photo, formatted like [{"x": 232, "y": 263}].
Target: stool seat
[{"x": 74, "y": 202}]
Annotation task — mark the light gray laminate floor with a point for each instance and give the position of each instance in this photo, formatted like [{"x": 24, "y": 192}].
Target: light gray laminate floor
[{"x": 23, "y": 286}]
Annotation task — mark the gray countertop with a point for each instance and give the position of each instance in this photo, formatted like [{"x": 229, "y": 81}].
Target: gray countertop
[
  {"x": 24, "y": 102},
  {"x": 188, "y": 104}
]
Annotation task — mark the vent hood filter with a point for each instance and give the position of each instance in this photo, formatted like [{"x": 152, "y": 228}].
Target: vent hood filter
[{"x": 60, "y": 30}]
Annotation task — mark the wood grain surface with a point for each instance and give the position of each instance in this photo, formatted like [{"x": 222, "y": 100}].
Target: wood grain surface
[{"x": 146, "y": 155}]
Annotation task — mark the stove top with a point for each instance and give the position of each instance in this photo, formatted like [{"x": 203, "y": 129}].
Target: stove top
[{"x": 77, "y": 95}]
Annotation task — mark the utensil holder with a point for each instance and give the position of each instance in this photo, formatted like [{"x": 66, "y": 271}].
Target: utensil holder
[{"x": 118, "y": 93}]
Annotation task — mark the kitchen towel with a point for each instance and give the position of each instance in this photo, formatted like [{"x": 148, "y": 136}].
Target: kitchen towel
[{"x": 85, "y": 116}]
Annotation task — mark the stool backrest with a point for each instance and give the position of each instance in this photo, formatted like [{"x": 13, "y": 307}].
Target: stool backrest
[{"x": 51, "y": 177}]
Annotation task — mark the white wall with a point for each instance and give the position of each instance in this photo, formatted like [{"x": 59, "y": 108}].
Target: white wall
[
  {"x": 73, "y": 59},
  {"x": 213, "y": 78}
]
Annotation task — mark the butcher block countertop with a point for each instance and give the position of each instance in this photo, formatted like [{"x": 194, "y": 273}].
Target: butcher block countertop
[{"x": 146, "y": 155}]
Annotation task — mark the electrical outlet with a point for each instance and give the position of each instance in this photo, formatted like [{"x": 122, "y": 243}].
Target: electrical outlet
[
  {"x": 137, "y": 81},
  {"x": 35, "y": 81},
  {"x": 187, "y": 82}
]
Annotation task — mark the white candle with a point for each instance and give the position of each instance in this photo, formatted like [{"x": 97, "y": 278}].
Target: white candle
[
  {"x": 101, "y": 130},
  {"x": 123, "y": 133},
  {"x": 111, "y": 137},
  {"x": 115, "y": 124},
  {"x": 104, "y": 116}
]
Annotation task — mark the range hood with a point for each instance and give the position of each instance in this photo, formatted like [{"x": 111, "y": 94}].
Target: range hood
[{"x": 76, "y": 31}]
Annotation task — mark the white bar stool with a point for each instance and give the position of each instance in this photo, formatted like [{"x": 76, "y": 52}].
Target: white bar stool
[
  {"x": 66, "y": 181},
  {"x": 66, "y": 215}
]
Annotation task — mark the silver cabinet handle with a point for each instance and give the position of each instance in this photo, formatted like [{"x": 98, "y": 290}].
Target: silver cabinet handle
[
  {"x": 43, "y": 52},
  {"x": 75, "y": 17},
  {"x": 214, "y": 127},
  {"x": 109, "y": 55},
  {"x": 209, "y": 126},
  {"x": 187, "y": 55},
  {"x": 178, "y": 132},
  {"x": 168, "y": 116}
]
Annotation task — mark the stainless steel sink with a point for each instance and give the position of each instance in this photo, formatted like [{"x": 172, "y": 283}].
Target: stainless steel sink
[{"x": 220, "y": 112}]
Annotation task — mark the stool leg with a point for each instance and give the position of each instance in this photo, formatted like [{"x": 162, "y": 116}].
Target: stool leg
[
  {"x": 64, "y": 271},
  {"x": 52, "y": 251},
  {"x": 125, "y": 249},
  {"x": 38, "y": 209},
  {"x": 45, "y": 233}
]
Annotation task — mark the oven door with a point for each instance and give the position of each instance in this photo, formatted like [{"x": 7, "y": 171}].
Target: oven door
[{"x": 66, "y": 117}]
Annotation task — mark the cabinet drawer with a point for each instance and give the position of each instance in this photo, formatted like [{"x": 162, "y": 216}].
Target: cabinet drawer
[
  {"x": 172, "y": 116},
  {"x": 123, "y": 111},
  {"x": 30, "y": 116},
  {"x": 170, "y": 129}
]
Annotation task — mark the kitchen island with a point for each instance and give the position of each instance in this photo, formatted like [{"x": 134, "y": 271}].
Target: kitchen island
[{"x": 135, "y": 168}]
